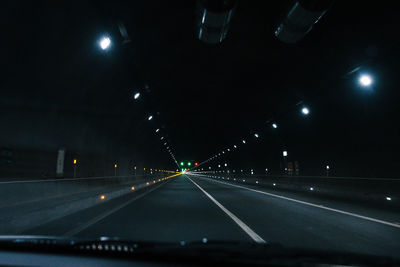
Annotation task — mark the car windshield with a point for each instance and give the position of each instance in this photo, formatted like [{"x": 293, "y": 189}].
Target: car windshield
[{"x": 199, "y": 121}]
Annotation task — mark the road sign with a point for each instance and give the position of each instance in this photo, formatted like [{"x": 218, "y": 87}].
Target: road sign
[{"x": 60, "y": 162}]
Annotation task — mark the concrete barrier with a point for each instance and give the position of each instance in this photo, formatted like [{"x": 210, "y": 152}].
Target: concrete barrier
[
  {"x": 27, "y": 204},
  {"x": 13, "y": 192}
]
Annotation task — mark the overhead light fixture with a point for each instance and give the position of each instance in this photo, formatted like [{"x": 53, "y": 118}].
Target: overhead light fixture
[
  {"x": 305, "y": 110},
  {"x": 365, "y": 80},
  {"x": 105, "y": 43}
]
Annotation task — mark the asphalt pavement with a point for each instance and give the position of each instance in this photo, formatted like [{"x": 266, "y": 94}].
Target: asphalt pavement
[{"x": 193, "y": 208}]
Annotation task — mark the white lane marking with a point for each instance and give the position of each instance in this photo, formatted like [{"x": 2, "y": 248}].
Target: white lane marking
[
  {"x": 100, "y": 217},
  {"x": 239, "y": 222},
  {"x": 312, "y": 205}
]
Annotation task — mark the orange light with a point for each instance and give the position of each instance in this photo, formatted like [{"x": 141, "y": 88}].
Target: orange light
[
  {"x": 154, "y": 182},
  {"x": 132, "y": 188},
  {"x": 102, "y": 197},
  {"x": 115, "y": 165},
  {"x": 158, "y": 179},
  {"x": 75, "y": 161},
  {"x": 134, "y": 168}
]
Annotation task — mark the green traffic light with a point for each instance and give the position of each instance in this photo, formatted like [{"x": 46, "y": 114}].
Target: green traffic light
[
  {"x": 182, "y": 163},
  {"x": 189, "y": 163}
]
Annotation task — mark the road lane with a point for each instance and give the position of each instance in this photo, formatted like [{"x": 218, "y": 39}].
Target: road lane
[
  {"x": 179, "y": 210},
  {"x": 353, "y": 208},
  {"x": 176, "y": 211},
  {"x": 108, "y": 213},
  {"x": 383, "y": 211},
  {"x": 239, "y": 222},
  {"x": 299, "y": 225}
]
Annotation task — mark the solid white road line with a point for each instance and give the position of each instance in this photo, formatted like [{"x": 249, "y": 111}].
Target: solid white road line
[
  {"x": 239, "y": 222},
  {"x": 100, "y": 217},
  {"x": 310, "y": 204}
]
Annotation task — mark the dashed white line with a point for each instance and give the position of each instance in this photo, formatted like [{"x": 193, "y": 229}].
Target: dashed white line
[
  {"x": 239, "y": 222},
  {"x": 312, "y": 204}
]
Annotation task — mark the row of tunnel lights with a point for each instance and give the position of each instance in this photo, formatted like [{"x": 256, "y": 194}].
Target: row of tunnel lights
[
  {"x": 233, "y": 171},
  {"x": 136, "y": 96},
  {"x": 105, "y": 44},
  {"x": 365, "y": 80},
  {"x": 304, "y": 110},
  {"x": 149, "y": 118}
]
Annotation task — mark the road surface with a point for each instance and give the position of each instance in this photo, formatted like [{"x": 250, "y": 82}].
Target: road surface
[{"x": 191, "y": 208}]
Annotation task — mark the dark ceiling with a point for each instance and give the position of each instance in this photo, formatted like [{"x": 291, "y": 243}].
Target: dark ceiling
[{"x": 58, "y": 88}]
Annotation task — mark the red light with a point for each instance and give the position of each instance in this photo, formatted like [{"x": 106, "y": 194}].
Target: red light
[{"x": 196, "y": 164}]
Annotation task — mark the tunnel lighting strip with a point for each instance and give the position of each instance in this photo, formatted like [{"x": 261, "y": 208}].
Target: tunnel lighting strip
[{"x": 304, "y": 110}]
